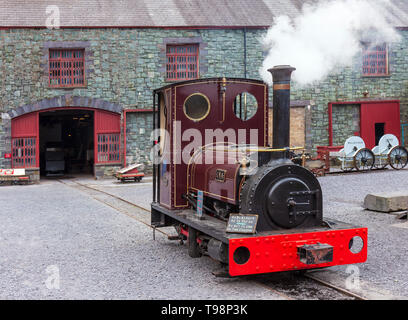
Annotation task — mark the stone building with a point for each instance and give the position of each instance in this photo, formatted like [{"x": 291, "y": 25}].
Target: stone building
[
  {"x": 354, "y": 101},
  {"x": 79, "y": 76}
]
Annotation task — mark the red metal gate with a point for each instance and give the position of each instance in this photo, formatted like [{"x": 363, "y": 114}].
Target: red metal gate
[
  {"x": 25, "y": 141},
  {"x": 107, "y": 137}
]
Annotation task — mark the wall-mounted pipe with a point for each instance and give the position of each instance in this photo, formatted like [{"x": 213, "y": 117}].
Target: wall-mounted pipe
[{"x": 245, "y": 53}]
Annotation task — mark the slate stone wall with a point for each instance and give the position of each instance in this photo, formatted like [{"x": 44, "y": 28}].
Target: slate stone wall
[
  {"x": 138, "y": 136},
  {"x": 123, "y": 66},
  {"x": 346, "y": 122}
]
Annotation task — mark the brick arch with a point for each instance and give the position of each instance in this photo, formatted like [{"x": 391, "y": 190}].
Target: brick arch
[{"x": 64, "y": 102}]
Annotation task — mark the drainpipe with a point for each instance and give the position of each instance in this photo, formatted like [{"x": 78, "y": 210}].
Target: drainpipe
[
  {"x": 245, "y": 53},
  {"x": 124, "y": 137}
]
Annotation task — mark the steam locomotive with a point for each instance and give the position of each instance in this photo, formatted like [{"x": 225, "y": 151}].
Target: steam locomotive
[{"x": 243, "y": 203}]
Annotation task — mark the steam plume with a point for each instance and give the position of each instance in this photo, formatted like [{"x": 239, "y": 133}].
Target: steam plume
[{"x": 327, "y": 35}]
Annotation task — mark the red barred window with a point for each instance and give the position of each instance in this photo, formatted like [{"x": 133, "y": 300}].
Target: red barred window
[
  {"x": 67, "y": 67},
  {"x": 375, "y": 60},
  {"x": 108, "y": 147},
  {"x": 23, "y": 152},
  {"x": 182, "y": 62}
]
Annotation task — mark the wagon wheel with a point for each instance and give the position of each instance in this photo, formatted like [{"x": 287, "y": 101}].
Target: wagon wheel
[
  {"x": 364, "y": 159},
  {"x": 398, "y": 157}
]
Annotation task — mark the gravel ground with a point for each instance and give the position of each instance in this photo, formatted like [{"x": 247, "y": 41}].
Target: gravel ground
[
  {"x": 99, "y": 253},
  {"x": 56, "y": 243},
  {"x": 387, "y": 251},
  {"x": 343, "y": 197}
]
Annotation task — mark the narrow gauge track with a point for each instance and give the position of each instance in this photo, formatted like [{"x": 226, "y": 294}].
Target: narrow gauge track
[
  {"x": 340, "y": 172},
  {"x": 290, "y": 287},
  {"x": 303, "y": 286}
]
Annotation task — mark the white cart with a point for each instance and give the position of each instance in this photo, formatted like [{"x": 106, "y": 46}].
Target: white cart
[
  {"x": 390, "y": 152},
  {"x": 356, "y": 155}
]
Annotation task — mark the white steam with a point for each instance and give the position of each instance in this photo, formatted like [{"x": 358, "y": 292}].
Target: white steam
[{"x": 325, "y": 36}]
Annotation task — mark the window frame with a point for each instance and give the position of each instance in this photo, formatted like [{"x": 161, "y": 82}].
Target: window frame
[
  {"x": 367, "y": 51},
  {"x": 73, "y": 60},
  {"x": 176, "y": 63}
]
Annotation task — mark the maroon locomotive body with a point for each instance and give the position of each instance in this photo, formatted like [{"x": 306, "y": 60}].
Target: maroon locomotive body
[
  {"x": 175, "y": 119},
  {"x": 212, "y": 163}
]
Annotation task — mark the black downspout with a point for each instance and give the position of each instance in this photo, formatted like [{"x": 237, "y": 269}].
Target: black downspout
[{"x": 245, "y": 53}]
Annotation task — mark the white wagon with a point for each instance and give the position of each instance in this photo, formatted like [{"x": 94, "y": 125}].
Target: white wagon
[
  {"x": 390, "y": 152},
  {"x": 355, "y": 155}
]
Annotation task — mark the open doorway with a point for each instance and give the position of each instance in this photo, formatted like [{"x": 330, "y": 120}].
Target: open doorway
[
  {"x": 66, "y": 142},
  {"x": 379, "y": 131}
]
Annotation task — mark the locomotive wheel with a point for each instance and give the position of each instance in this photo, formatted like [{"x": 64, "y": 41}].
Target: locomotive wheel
[
  {"x": 364, "y": 160},
  {"x": 398, "y": 157},
  {"x": 193, "y": 248}
]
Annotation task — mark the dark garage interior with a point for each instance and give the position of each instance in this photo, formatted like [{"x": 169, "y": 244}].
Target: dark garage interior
[{"x": 66, "y": 142}]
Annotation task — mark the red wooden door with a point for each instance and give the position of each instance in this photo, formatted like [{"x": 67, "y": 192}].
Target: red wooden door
[
  {"x": 107, "y": 137},
  {"x": 381, "y": 112},
  {"x": 25, "y": 141}
]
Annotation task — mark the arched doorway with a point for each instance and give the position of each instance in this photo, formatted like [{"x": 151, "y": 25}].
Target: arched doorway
[{"x": 65, "y": 140}]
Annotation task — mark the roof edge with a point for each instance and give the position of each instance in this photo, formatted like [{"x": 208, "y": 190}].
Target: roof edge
[{"x": 138, "y": 27}]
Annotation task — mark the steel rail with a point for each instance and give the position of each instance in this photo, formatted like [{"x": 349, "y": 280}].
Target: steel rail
[{"x": 332, "y": 286}]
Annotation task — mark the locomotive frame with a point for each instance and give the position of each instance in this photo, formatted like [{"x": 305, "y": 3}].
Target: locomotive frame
[{"x": 322, "y": 243}]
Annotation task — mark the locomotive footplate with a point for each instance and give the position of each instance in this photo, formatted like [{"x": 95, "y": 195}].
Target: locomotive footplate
[{"x": 277, "y": 250}]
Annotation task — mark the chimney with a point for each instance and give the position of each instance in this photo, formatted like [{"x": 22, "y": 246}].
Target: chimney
[{"x": 281, "y": 107}]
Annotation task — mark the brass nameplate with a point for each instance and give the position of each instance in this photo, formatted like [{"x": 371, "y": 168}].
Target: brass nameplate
[{"x": 220, "y": 175}]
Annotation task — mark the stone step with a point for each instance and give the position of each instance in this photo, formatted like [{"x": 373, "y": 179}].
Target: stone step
[{"x": 387, "y": 201}]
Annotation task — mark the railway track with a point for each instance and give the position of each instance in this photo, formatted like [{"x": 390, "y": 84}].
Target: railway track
[
  {"x": 293, "y": 286},
  {"x": 290, "y": 286},
  {"x": 339, "y": 172}
]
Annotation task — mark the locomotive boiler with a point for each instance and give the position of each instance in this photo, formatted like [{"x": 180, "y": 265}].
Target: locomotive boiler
[{"x": 229, "y": 172}]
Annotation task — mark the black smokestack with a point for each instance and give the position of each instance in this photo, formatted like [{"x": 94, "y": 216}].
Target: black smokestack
[{"x": 281, "y": 106}]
